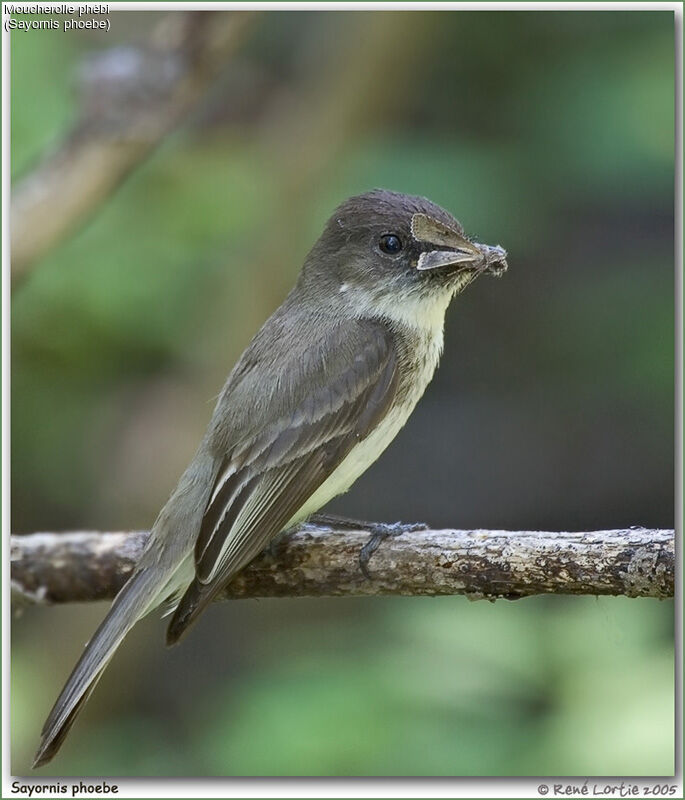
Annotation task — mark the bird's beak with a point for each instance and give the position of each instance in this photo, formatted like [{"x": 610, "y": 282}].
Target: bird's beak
[{"x": 462, "y": 253}]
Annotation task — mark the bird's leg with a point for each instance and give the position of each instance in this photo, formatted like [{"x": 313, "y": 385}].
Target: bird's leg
[
  {"x": 334, "y": 522},
  {"x": 379, "y": 532},
  {"x": 316, "y": 521}
]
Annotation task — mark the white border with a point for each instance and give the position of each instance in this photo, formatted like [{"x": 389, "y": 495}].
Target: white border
[
  {"x": 6, "y": 529},
  {"x": 335, "y": 787}
]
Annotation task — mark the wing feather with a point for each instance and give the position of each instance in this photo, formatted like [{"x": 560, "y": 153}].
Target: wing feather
[{"x": 270, "y": 477}]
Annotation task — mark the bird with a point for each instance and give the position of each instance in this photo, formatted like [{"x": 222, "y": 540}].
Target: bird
[{"x": 319, "y": 393}]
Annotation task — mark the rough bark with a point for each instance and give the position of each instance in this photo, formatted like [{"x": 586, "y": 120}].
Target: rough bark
[{"x": 315, "y": 562}]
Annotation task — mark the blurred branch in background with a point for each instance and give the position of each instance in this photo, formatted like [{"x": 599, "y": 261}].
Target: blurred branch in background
[
  {"x": 131, "y": 98},
  {"x": 637, "y": 562}
]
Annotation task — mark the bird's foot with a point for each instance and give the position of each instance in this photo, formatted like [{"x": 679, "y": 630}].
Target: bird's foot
[{"x": 380, "y": 531}]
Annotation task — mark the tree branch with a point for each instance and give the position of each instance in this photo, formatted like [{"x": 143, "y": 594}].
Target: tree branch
[
  {"x": 315, "y": 562},
  {"x": 131, "y": 98}
]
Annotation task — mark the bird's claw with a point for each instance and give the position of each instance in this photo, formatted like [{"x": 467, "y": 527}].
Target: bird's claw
[{"x": 379, "y": 532}]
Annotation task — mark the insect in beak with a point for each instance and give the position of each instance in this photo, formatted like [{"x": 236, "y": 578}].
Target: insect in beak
[{"x": 458, "y": 251}]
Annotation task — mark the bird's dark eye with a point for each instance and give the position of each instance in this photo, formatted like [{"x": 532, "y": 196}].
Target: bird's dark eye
[{"x": 390, "y": 244}]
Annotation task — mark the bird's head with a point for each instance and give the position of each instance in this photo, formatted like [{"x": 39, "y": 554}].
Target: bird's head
[{"x": 391, "y": 246}]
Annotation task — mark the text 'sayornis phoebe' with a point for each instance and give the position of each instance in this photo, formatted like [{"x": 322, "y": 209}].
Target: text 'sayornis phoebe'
[{"x": 320, "y": 392}]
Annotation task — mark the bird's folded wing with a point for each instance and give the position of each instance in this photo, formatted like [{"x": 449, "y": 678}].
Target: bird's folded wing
[{"x": 268, "y": 477}]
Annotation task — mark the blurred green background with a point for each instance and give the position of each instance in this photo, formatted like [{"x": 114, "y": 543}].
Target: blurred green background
[{"x": 548, "y": 132}]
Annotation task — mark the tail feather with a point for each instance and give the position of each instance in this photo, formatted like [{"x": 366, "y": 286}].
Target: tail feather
[
  {"x": 165, "y": 567},
  {"x": 50, "y": 744},
  {"x": 132, "y": 603},
  {"x": 196, "y": 598}
]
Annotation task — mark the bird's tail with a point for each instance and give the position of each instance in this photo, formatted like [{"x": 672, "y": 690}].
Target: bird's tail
[
  {"x": 134, "y": 600},
  {"x": 161, "y": 572}
]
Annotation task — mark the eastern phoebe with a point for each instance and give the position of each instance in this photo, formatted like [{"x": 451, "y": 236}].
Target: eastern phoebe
[{"x": 320, "y": 392}]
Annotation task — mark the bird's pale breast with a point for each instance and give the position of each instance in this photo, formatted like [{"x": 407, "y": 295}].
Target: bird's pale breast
[{"x": 425, "y": 354}]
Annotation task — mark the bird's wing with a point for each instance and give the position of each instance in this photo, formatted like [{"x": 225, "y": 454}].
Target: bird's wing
[{"x": 268, "y": 477}]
